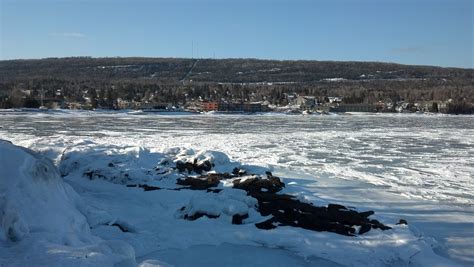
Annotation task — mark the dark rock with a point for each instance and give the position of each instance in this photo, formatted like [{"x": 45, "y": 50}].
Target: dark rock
[
  {"x": 199, "y": 215},
  {"x": 288, "y": 211},
  {"x": 94, "y": 174},
  {"x": 194, "y": 166},
  {"x": 220, "y": 176},
  {"x": 237, "y": 218},
  {"x": 111, "y": 165},
  {"x": 199, "y": 183},
  {"x": 205, "y": 166},
  {"x": 239, "y": 172},
  {"x": 335, "y": 207},
  {"x": 271, "y": 184},
  {"x": 266, "y": 225},
  {"x": 402, "y": 221},
  {"x": 235, "y": 171},
  {"x": 213, "y": 190},
  {"x": 364, "y": 229},
  {"x": 160, "y": 172},
  {"x": 284, "y": 209},
  {"x": 378, "y": 225},
  {"x": 145, "y": 187},
  {"x": 205, "y": 182},
  {"x": 150, "y": 188},
  {"x": 122, "y": 225},
  {"x": 89, "y": 174},
  {"x": 366, "y": 213},
  {"x": 184, "y": 166}
]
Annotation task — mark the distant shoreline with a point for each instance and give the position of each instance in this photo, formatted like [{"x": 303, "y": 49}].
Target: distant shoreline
[{"x": 223, "y": 113}]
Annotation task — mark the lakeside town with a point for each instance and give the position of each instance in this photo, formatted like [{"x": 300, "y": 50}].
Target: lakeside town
[
  {"x": 293, "y": 103},
  {"x": 233, "y": 85}
]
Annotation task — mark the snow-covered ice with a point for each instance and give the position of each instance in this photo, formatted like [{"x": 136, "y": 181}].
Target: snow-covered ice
[{"x": 414, "y": 167}]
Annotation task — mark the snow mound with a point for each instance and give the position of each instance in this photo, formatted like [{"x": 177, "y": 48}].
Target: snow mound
[
  {"x": 220, "y": 161},
  {"x": 41, "y": 217},
  {"x": 117, "y": 164},
  {"x": 226, "y": 203},
  {"x": 132, "y": 164}
]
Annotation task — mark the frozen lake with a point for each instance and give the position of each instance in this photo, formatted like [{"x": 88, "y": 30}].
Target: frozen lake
[{"x": 417, "y": 167}]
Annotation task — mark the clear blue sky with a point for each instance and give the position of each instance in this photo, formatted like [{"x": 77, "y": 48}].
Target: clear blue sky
[{"x": 423, "y": 32}]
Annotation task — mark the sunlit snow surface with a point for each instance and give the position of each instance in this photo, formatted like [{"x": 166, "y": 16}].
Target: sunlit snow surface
[{"x": 416, "y": 167}]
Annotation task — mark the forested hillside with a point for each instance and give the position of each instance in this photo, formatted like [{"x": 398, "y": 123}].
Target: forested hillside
[{"x": 179, "y": 80}]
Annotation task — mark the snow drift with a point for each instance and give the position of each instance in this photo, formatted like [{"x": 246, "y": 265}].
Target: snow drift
[{"x": 42, "y": 221}]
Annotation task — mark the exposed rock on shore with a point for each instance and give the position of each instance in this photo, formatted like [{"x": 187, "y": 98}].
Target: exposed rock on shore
[
  {"x": 203, "y": 172},
  {"x": 284, "y": 208}
]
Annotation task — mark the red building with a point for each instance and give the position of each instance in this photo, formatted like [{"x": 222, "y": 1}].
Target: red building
[{"x": 210, "y": 106}]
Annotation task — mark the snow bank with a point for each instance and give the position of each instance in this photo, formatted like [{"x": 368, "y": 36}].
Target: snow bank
[
  {"x": 224, "y": 204},
  {"x": 133, "y": 164},
  {"x": 41, "y": 218},
  {"x": 118, "y": 164},
  {"x": 180, "y": 220}
]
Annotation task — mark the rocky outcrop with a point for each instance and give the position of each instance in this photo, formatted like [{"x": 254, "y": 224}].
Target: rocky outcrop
[
  {"x": 194, "y": 166},
  {"x": 199, "y": 183},
  {"x": 402, "y": 221},
  {"x": 281, "y": 209},
  {"x": 285, "y": 209},
  {"x": 288, "y": 211},
  {"x": 271, "y": 184},
  {"x": 208, "y": 180}
]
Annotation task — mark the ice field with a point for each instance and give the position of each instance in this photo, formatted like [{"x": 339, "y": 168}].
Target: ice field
[{"x": 411, "y": 166}]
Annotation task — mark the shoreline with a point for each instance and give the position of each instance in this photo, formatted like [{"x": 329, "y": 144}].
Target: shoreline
[{"x": 218, "y": 113}]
